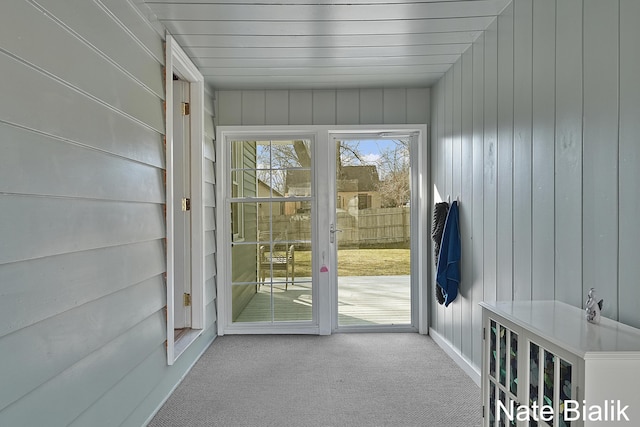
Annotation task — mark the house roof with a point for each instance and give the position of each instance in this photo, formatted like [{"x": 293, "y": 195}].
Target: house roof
[
  {"x": 358, "y": 178},
  {"x": 265, "y": 191}
]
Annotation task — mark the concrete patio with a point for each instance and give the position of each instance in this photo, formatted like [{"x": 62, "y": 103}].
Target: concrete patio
[{"x": 362, "y": 300}]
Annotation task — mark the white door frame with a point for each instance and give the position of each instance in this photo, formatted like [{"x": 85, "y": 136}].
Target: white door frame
[
  {"x": 323, "y": 282},
  {"x": 177, "y": 62}
]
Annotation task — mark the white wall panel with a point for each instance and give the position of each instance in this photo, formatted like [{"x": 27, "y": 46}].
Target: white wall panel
[
  {"x": 490, "y": 189},
  {"x": 600, "y": 185},
  {"x": 456, "y": 160},
  {"x": 229, "y": 108},
  {"x": 438, "y": 174},
  {"x": 477, "y": 207},
  {"x": 211, "y": 313},
  {"x": 253, "y": 107},
  {"x": 141, "y": 380},
  {"x": 98, "y": 76},
  {"x": 209, "y": 132},
  {"x": 458, "y": 309},
  {"x": 543, "y": 223},
  {"x": 551, "y": 75},
  {"x": 324, "y": 107},
  {"x": 300, "y": 107},
  {"x": 210, "y": 243},
  {"x": 341, "y": 107},
  {"x": 522, "y": 148},
  {"x": 277, "y": 105},
  {"x": 25, "y": 301},
  {"x": 466, "y": 204},
  {"x": 504, "y": 151},
  {"x": 82, "y": 198},
  {"x": 394, "y": 108},
  {"x": 96, "y": 27},
  {"x": 84, "y": 382},
  {"x": 209, "y": 198},
  {"x": 418, "y": 105},
  {"x": 568, "y": 157},
  {"x": 447, "y": 313},
  {"x": 209, "y": 266},
  {"x": 122, "y": 394},
  {"x": 70, "y": 227},
  {"x": 154, "y": 377},
  {"x": 209, "y": 173},
  {"x": 629, "y": 201},
  {"x": 348, "y": 107},
  {"x": 34, "y": 355},
  {"x": 210, "y": 293},
  {"x": 132, "y": 19},
  {"x": 37, "y": 164},
  {"x": 209, "y": 151},
  {"x": 33, "y": 100},
  {"x": 371, "y": 106}
]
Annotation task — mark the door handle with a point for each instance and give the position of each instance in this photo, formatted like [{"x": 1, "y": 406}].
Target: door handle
[{"x": 333, "y": 230}]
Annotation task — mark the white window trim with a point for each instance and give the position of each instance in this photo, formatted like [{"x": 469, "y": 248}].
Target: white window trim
[
  {"x": 179, "y": 63},
  {"x": 239, "y": 153}
]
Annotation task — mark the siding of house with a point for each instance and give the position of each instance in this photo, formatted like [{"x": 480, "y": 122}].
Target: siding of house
[
  {"x": 536, "y": 129},
  {"x": 82, "y": 258},
  {"x": 323, "y": 107},
  {"x": 209, "y": 177},
  {"x": 244, "y": 258}
]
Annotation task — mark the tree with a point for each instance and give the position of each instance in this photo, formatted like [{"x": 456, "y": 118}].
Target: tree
[
  {"x": 274, "y": 158},
  {"x": 394, "y": 169}
]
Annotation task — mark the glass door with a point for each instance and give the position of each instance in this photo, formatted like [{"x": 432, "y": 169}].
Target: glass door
[
  {"x": 371, "y": 231},
  {"x": 271, "y": 200}
]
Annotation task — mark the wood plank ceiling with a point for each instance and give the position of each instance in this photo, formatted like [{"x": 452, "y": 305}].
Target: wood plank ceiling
[{"x": 316, "y": 44}]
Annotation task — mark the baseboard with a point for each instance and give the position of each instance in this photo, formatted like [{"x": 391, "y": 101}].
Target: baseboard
[{"x": 464, "y": 363}]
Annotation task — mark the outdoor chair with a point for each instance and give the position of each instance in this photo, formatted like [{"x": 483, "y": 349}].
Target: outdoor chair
[{"x": 278, "y": 260}]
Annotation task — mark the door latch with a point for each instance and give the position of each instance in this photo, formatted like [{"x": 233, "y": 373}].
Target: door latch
[
  {"x": 333, "y": 230},
  {"x": 186, "y": 204}
]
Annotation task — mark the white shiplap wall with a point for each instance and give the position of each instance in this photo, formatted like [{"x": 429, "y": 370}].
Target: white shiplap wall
[
  {"x": 536, "y": 128},
  {"x": 323, "y": 107},
  {"x": 82, "y": 258}
]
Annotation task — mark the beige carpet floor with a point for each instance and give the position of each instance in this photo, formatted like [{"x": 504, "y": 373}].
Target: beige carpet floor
[{"x": 395, "y": 380}]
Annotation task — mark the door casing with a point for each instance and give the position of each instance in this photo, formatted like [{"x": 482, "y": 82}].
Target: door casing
[
  {"x": 178, "y": 63},
  {"x": 324, "y": 284}
]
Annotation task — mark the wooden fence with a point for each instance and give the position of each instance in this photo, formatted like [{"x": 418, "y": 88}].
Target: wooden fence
[
  {"x": 369, "y": 227},
  {"x": 375, "y": 227}
]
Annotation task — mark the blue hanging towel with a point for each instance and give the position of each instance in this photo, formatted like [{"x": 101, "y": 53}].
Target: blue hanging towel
[{"x": 448, "y": 271}]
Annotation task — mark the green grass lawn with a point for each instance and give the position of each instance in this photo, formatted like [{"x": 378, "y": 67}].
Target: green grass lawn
[{"x": 361, "y": 262}]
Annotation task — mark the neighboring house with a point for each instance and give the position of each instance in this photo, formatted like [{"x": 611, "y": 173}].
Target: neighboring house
[
  {"x": 535, "y": 127},
  {"x": 297, "y": 183},
  {"x": 358, "y": 188},
  {"x": 264, "y": 190},
  {"x": 244, "y": 219}
]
